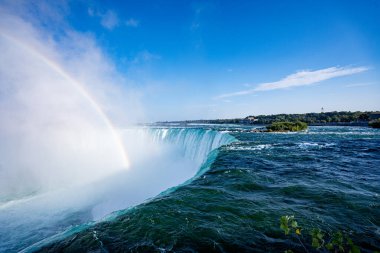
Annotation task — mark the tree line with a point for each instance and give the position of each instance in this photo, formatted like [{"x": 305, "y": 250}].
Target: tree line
[
  {"x": 313, "y": 118},
  {"x": 309, "y": 118}
]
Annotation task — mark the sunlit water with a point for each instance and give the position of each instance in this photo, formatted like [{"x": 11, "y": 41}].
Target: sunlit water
[
  {"x": 327, "y": 177},
  {"x": 155, "y": 154}
]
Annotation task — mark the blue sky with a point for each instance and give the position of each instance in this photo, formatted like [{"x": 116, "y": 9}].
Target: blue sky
[{"x": 226, "y": 59}]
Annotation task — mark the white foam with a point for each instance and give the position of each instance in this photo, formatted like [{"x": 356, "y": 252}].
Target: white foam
[
  {"x": 250, "y": 148},
  {"x": 305, "y": 145}
]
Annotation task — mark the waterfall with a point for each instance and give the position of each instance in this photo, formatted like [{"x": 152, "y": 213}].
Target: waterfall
[
  {"x": 194, "y": 143},
  {"x": 162, "y": 158}
]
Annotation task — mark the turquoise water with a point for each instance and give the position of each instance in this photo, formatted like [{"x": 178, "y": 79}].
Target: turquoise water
[
  {"x": 39, "y": 217},
  {"x": 327, "y": 177}
]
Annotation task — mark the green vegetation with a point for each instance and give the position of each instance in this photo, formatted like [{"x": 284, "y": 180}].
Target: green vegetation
[
  {"x": 332, "y": 118},
  {"x": 375, "y": 123},
  {"x": 287, "y": 126},
  {"x": 316, "y": 118},
  {"x": 337, "y": 242}
]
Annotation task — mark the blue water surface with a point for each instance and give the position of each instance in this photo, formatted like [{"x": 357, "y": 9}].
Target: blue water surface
[{"x": 327, "y": 177}]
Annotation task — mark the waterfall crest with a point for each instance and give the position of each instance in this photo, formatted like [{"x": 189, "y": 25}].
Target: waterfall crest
[{"x": 194, "y": 143}]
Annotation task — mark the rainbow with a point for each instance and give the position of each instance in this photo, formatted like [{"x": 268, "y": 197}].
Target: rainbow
[{"x": 80, "y": 87}]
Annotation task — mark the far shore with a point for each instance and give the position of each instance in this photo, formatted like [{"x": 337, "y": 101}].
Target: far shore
[{"x": 343, "y": 118}]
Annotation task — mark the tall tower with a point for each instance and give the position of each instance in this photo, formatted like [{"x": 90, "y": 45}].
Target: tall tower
[{"x": 322, "y": 110}]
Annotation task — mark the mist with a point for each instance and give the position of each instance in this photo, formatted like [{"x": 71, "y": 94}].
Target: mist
[
  {"x": 58, "y": 111},
  {"x": 69, "y": 153}
]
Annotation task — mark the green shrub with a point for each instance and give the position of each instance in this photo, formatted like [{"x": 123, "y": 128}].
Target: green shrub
[
  {"x": 375, "y": 123},
  {"x": 287, "y": 126},
  {"x": 320, "y": 241}
]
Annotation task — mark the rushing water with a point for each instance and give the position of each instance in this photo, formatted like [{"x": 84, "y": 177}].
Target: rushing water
[
  {"x": 327, "y": 177},
  {"x": 155, "y": 154}
]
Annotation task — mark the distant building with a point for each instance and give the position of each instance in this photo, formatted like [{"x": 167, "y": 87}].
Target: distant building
[{"x": 249, "y": 120}]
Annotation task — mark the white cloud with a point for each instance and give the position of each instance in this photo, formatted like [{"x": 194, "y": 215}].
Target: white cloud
[
  {"x": 51, "y": 14},
  {"x": 132, "y": 22},
  {"x": 301, "y": 78},
  {"x": 144, "y": 57},
  {"x": 307, "y": 77},
  {"x": 91, "y": 12},
  {"x": 54, "y": 94},
  {"x": 109, "y": 20},
  {"x": 360, "y": 84}
]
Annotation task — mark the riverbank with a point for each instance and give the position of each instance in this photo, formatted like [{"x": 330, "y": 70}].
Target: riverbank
[{"x": 342, "y": 118}]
